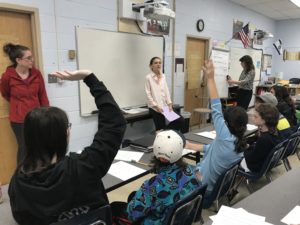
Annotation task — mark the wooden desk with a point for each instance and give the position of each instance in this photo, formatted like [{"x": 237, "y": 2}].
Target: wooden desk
[{"x": 274, "y": 200}]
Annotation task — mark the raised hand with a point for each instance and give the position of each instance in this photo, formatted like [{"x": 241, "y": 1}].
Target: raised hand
[
  {"x": 208, "y": 69},
  {"x": 72, "y": 75}
]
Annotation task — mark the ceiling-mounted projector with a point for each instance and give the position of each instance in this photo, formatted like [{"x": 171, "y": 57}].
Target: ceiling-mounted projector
[{"x": 157, "y": 10}]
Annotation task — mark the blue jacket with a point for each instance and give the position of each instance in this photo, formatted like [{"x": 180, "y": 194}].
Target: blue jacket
[
  {"x": 220, "y": 154},
  {"x": 157, "y": 194}
]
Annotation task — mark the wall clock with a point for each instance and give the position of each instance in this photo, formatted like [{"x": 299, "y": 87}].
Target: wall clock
[{"x": 200, "y": 25}]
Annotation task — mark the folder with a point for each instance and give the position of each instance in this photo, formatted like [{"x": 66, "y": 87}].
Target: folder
[{"x": 144, "y": 144}]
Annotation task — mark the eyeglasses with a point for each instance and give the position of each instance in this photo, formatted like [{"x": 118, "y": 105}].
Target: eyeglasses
[
  {"x": 29, "y": 58},
  {"x": 69, "y": 125}
]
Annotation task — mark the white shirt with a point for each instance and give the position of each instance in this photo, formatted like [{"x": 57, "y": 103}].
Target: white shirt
[{"x": 157, "y": 91}]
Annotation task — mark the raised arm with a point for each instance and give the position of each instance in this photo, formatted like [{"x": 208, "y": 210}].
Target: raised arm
[
  {"x": 209, "y": 72},
  {"x": 111, "y": 125},
  {"x": 217, "y": 114}
]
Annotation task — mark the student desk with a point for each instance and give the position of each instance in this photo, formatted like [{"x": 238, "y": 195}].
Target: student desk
[
  {"x": 193, "y": 137},
  {"x": 111, "y": 183},
  {"x": 275, "y": 200}
]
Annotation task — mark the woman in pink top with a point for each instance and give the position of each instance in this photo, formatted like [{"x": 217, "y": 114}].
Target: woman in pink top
[{"x": 158, "y": 97}]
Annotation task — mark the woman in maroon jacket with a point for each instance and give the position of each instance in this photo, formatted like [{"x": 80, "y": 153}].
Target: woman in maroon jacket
[{"x": 23, "y": 87}]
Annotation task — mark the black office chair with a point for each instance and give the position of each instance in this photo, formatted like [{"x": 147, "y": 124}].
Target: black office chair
[
  {"x": 271, "y": 161},
  {"x": 186, "y": 210},
  {"x": 222, "y": 187},
  {"x": 291, "y": 149},
  {"x": 100, "y": 216}
]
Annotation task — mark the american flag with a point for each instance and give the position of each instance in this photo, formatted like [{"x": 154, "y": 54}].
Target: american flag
[{"x": 244, "y": 35}]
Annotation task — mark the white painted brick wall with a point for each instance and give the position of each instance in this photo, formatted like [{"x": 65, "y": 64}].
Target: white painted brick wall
[{"x": 58, "y": 19}]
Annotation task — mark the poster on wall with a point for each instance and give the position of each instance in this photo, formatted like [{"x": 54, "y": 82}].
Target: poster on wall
[
  {"x": 160, "y": 27},
  {"x": 267, "y": 62},
  {"x": 237, "y": 26}
]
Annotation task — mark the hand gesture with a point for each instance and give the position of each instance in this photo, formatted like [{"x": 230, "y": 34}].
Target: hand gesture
[
  {"x": 230, "y": 81},
  {"x": 208, "y": 69},
  {"x": 158, "y": 109},
  {"x": 72, "y": 75}
]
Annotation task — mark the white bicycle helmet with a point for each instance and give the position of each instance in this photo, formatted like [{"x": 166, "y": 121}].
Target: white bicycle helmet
[{"x": 168, "y": 145}]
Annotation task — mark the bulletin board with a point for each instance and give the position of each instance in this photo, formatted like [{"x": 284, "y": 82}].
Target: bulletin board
[{"x": 120, "y": 60}]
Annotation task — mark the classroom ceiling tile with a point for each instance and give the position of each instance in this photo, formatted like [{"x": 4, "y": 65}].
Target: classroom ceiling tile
[{"x": 274, "y": 9}]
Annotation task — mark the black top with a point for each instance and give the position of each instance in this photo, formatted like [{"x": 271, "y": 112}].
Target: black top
[
  {"x": 287, "y": 111},
  {"x": 73, "y": 185},
  {"x": 257, "y": 153}
]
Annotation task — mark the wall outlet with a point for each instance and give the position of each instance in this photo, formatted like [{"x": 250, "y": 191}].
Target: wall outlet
[{"x": 52, "y": 79}]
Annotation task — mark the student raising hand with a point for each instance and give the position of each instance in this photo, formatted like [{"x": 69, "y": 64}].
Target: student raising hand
[
  {"x": 72, "y": 75},
  {"x": 209, "y": 72},
  {"x": 208, "y": 69}
]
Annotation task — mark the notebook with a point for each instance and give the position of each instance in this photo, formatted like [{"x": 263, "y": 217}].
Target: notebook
[{"x": 144, "y": 144}]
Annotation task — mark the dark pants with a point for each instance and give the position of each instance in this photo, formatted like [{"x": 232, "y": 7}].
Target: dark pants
[
  {"x": 119, "y": 212},
  {"x": 244, "y": 98},
  {"x": 18, "y": 130},
  {"x": 160, "y": 122}
]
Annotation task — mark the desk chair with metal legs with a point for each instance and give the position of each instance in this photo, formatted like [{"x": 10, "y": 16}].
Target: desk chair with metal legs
[
  {"x": 222, "y": 187},
  {"x": 271, "y": 161},
  {"x": 292, "y": 146},
  {"x": 187, "y": 210}
]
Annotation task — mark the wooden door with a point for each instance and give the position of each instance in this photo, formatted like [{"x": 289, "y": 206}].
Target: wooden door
[
  {"x": 15, "y": 27},
  {"x": 195, "y": 87}
]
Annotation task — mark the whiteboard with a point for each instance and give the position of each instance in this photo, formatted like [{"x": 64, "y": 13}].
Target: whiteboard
[
  {"x": 235, "y": 68},
  {"x": 221, "y": 63},
  {"x": 120, "y": 60}
]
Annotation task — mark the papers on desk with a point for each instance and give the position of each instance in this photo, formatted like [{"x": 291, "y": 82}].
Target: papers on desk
[
  {"x": 212, "y": 134},
  {"x": 134, "y": 110},
  {"x": 251, "y": 127},
  {"x": 231, "y": 216},
  {"x": 124, "y": 171},
  {"x": 169, "y": 115},
  {"x": 187, "y": 151},
  {"x": 293, "y": 217},
  {"x": 129, "y": 155},
  {"x": 208, "y": 134}
]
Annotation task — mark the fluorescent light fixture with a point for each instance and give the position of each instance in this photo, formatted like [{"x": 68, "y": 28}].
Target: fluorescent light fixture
[{"x": 296, "y": 2}]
